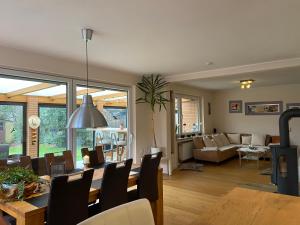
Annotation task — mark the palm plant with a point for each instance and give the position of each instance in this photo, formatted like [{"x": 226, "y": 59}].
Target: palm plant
[{"x": 153, "y": 89}]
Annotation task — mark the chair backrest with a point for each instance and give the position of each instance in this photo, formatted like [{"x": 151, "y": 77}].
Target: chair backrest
[
  {"x": 100, "y": 155},
  {"x": 25, "y": 161},
  {"x": 39, "y": 166},
  {"x": 3, "y": 163},
  {"x": 55, "y": 165},
  {"x": 69, "y": 160},
  {"x": 96, "y": 156},
  {"x": 133, "y": 213},
  {"x": 68, "y": 199},
  {"x": 147, "y": 183},
  {"x": 114, "y": 184}
]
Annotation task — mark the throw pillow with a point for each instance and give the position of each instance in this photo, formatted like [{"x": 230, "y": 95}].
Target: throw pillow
[
  {"x": 209, "y": 142},
  {"x": 258, "y": 139},
  {"x": 234, "y": 138},
  {"x": 198, "y": 142},
  {"x": 246, "y": 140},
  {"x": 217, "y": 138},
  {"x": 224, "y": 139}
]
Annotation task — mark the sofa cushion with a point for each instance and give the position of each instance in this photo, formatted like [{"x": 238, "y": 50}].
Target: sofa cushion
[
  {"x": 209, "y": 142},
  {"x": 210, "y": 149},
  {"x": 234, "y": 138},
  {"x": 217, "y": 138},
  {"x": 198, "y": 142},
  {"x": 258, "y": 139},
  {"x": 227, "y": 147},
  {"x": 246, "y": 140},
  {"x": 224, "y": 139}
]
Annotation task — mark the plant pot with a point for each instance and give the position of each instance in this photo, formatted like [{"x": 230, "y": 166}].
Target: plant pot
[{"x": 155, "y": 150}]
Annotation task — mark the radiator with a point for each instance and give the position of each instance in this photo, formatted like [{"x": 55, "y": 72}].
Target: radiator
[{"x": 185, "y": 150}]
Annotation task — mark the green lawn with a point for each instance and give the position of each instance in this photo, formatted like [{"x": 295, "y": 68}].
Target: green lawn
[{"x": 44, "y": 148}]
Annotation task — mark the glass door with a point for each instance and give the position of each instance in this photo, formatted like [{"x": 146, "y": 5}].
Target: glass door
[{"x": 113, "y": 104}]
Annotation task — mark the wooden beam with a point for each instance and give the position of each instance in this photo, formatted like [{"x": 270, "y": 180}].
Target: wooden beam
[
  {"x": 27, "y": 90},
  {"x": 80, "y": 92}
]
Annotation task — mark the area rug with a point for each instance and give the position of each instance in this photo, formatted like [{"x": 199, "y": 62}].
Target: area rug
[
  {"x": 191, "y": 166},
  {"x": 259, "y": 187},
  {"x": 267, "y": 172}
]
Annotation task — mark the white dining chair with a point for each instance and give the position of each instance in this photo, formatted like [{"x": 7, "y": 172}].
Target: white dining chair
[{"x": 134, "y": 213}]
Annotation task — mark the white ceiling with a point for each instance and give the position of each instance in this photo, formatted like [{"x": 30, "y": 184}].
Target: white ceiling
[
  {"x": 262, "y": 79},
  {"x": 165, "y": 36}
]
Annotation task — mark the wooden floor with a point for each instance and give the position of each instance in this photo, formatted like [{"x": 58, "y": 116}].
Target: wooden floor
[{"x": 189, "y": 194}]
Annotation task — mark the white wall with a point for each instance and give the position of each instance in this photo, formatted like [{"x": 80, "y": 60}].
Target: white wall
[{"x": 239, "y": 122}]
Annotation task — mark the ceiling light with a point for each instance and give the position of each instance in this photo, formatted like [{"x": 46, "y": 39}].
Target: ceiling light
[
  {"x": 87, "y": 115},
  {"x": 246, "y": 83}
]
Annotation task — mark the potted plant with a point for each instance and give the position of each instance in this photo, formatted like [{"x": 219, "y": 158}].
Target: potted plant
[
  {"x": 153, "y": 89},
  {"x": 17, "y": 183}
]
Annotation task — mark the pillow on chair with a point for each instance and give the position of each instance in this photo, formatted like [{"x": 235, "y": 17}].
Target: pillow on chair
[
  {"x": 218, "y": 140},
  {"x": 198, "y": 142},
  {"x": 224, "y": 139}
]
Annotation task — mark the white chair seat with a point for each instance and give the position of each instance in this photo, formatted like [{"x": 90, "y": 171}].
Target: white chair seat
[{"x": 134, "y": 213}]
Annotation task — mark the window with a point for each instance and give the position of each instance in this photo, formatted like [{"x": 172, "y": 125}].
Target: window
[
  {"x": 187, "y": 115},
  {"x": 112, "y": 103},
  {"x": 52, "y": 131},
  {"x": 12, "y": 127}
]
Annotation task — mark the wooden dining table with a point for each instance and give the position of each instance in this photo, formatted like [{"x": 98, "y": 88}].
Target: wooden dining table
[
  {"x": 244, "y": 206},
  {"x": 32, "y": 211}
]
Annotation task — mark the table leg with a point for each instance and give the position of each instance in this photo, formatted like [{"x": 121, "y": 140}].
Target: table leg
[
  {"x": 258, "y": 161},
  {"x": 240, "y": 158},
  {"x": 35, "y": 219},
  {"x": 157, "y": 206}
]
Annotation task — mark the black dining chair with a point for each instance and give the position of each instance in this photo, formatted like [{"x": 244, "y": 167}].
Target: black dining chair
[
  {"x": 147, "y": 186},
  {"x": 55, "y": 165},
  {"x": 113, "y": 187},
  {"x": 25, "y": 161},
  {"x": 68, "y": 199},
  {"x": 96, "y": 156}
]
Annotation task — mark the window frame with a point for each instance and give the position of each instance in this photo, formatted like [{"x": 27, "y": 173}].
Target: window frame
[{"x": 180, "y": 116}]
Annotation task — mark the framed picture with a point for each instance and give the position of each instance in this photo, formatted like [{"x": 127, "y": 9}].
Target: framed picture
[
  {"x": 236, "y": 106},
  {"x": 263, "y": 108},
  {"x": 293, "y": 106}
]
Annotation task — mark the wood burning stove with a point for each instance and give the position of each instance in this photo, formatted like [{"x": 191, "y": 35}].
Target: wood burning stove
[{"x": 285, "y": 158}]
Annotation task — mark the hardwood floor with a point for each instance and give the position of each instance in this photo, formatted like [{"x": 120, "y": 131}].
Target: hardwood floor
[{"x": 189, "y": 194}]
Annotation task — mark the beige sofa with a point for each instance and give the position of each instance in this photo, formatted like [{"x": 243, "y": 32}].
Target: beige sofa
[{"x": 221, "y": 153}]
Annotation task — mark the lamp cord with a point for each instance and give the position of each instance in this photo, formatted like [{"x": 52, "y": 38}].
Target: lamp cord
[{"x": 87, "y": 66}]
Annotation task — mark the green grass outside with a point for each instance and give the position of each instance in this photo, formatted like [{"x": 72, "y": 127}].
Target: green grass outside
[{"x": 44, "y": 148}]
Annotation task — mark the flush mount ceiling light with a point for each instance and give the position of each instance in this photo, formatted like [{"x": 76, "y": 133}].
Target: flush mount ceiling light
[
  {"x": 246, "y": 83},
  {"x": 87, "y": 115}
]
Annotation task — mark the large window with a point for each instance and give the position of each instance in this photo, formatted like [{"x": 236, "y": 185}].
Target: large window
[
  {"x": 52, "y": 131},
  {"x": 12, "y": 128},
  {"x": 187, "y": 115},
  {"x": 112, "y": 104}
]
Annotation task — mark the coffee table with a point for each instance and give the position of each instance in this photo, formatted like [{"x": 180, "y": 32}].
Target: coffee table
[{"x": 252, "y": 154}]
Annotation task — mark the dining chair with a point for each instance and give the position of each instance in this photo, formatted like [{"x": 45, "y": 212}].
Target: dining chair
[
  {"x": 147, "y": 186},
  {"x": 25, "y": 162},
  {"x": 113, "y": 187},
  {"x": 96, "y": 156},
  {"x": 133, "y": 213},
  {"x": 68, "y": 199},
  {"x": 69, "y": 160},
  {"x": 3, "y": 163},
  {"x": 55, "y": 165}
]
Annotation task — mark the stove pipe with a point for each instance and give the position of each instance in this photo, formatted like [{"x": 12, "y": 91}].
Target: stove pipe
[{"x": 285, "y": 158}]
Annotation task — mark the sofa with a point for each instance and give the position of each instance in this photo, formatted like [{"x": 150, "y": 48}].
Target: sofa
[{"x": 220, "y": 147}]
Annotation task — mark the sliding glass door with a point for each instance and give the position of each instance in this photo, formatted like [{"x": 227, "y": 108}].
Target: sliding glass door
[{"x": 112, "y": 102}]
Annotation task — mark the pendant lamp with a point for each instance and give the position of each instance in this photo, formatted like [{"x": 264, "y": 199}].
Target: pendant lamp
[{"x": 87, "y": 115}]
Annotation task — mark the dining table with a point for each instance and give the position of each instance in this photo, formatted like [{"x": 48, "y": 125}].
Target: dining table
[{"x": 32, "y": 210}]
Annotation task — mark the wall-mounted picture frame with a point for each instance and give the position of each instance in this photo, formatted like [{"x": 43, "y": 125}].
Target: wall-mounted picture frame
[
  {"x": 264, "y": 108},
  {"x": 293, "y": 106},
  {"x": 235, "y": 106}
]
